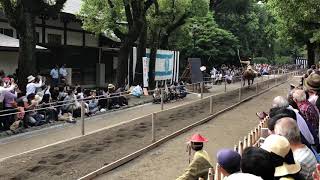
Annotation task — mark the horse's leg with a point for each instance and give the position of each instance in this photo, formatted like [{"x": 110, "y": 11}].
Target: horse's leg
[{"x": 244, "y": 81}]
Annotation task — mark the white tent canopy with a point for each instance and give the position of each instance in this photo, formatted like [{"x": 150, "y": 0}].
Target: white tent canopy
[{"x": 10, "y": 42}]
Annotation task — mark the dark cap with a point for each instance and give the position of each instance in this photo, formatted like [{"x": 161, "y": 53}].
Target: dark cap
[{"x": 229, "y": 160}]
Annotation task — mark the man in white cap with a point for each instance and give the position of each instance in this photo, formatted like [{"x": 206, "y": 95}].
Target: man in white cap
[{"x": 32, "y": 85}]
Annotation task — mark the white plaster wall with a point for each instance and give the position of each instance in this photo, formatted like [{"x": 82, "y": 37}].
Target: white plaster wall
[
  {"x": 8, "y": 61},
  {"x": 92, "y": 40},
  {"x": 74, "y": 25},
  {"x": 54, "y": 31},
  {"x": 74, "y": 38}
]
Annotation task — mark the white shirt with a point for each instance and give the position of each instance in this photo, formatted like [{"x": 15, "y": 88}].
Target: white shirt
[
  {"x": 63, "y": 72},
  {"x": 3, "y": 89},
  {"x": 54, "y": 73},
  {"x": 31, "y": 87}
]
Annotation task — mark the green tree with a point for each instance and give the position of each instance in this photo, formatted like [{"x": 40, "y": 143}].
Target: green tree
[
  {"x": 165, "y": 18},
  {"x": 299, "y": 22},
  {"x": 21, "y": 15},
  {"x": 108, "y": 17},
  {"x": 202, "y": 37}
]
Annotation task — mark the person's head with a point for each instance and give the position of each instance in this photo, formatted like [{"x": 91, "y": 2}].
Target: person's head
[
  {"x": 273, "y": 120},
  {"x": 70, "y": 92},
  {"x": 229, "y": 161},
  {"x": 299, "y": 96},
  {"x": 312, "y": 83},
  {"x": 280, "y": 101},
  {"x": 79, "y": 89},
  {"x": 281, "y": 155},
  {"x": 196, "y": 142},
  {"x": 257, "y": 161},
  {"x": 197, "y": 146},
  {"x": 31, "y": 97},
  {"x": 56, "y": 66},
  {"x": 46, "y": 98},
  {"x": 288, "y": 128}
]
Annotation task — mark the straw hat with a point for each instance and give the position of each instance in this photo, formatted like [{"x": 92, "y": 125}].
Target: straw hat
[
  {"x": 280, "y": 146},
  {"x": 198, "y": 138},
  {"x": 30, "y": 78},
  {"x": 313, "y": 82}
]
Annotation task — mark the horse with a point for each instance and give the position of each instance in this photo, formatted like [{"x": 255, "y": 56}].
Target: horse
[{"x": 248, "y": 74}]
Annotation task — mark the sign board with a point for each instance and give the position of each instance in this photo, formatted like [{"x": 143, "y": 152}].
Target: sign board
[
  {"x": 145, "y": 66},
  {"x": 196, "y": 74},
  {"x": 164, "y": 64}
]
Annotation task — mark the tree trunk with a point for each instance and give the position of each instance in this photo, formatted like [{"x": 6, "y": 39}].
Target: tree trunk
[
  {"x": 141, "y": 52},
  {"x": 311, "y": 53},
  {"x": 153, "y": 55},
  {"x": 27, "y": 48},
  {"x": 122, "y": 67}
]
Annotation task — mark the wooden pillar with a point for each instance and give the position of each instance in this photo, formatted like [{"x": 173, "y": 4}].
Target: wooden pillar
[
  {"x": 43, "y": 30},
  {"x": 65, "y": 34},
  {"x": 83, "y": 38}
]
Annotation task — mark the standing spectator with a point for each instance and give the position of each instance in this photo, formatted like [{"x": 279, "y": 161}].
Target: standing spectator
[
  {"x": 229, "y": 161},
  {"x": 258, "y": 162},
  {"x": 308, "y": 111},
  {"x": 282, "y": 157},
  {"x": 54, "y": 73},
  {"x": 312, "y": 84},
  {"x": 201, "y": 162},
  {"x": 63, "y": 74},
  {"x": 33, "y": 85},
  {"x": 288, "y": 128}
]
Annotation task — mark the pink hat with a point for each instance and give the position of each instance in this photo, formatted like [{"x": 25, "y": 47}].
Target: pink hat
[{"x": 198, "y": 138}]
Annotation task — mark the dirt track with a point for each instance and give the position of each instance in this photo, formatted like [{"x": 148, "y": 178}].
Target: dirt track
[
  {"x": 78, "y": 157},
  {"x": 169, "y": 160}
]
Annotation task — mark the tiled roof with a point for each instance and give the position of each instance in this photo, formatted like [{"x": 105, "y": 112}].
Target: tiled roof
[{"x": 7, "y": 41}]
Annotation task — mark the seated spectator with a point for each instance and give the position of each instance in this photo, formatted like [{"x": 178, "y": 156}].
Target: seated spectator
[
  {"x": 201, "y": 161},
  {"x": 258, "y": 162},
  {"x": 137, "y": 91},
  {"x": 308, "y": 111},
  {"x": 181, "y": 90},
  {"x": 72, "y": 105},
  {"x": 229, "y": 161},
  {"x": 157, "y": 95},
  {"x": 288, "y": 128},
  {"x": 282, "y": 157},
  {"x": 33, "y": 85},
  {"x": 10, "y": 106},
  {"x": 33, "y": 118},
  {"x": 93, "y": 104}
]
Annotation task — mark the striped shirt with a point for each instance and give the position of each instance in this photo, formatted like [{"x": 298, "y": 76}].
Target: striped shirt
[{"x": 307, "y": 161}]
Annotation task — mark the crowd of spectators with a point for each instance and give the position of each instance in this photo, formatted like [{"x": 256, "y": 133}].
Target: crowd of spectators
[
  {"x": 45, "y": 101},
  {"x": 290, "y": 150}
]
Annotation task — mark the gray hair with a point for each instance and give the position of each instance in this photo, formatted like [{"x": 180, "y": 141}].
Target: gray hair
[
  {"x": 288, "y": 128},
  {"x": 280, "y": 102},
  {"x": 299, "y": 95}
]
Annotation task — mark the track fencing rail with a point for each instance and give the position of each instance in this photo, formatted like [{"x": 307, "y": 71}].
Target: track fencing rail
[
  {"x": 239, "y": 94},
  {"x": 201, "y": 86}
]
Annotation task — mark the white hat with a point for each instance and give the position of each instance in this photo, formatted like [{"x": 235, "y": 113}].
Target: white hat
[
  {"x": 280, "y": 146},
  {"x": 31, "y": 78},
  {"x": 111, "y": 86},
  {"x": 243, "y": 176}
]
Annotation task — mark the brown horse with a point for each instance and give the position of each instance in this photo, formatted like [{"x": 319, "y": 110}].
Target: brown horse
[{"x": 248, "y": 74}]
